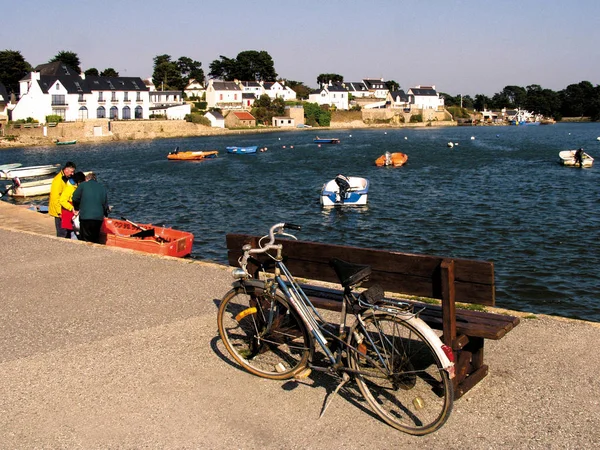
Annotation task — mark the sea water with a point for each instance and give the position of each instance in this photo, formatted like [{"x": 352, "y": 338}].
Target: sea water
[{"x": 498, "y": 194}]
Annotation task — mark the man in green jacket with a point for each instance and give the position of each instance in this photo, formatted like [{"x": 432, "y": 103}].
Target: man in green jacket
[
  {"x": 90, "y": 202},
  {"x": 58, "y": 184}
]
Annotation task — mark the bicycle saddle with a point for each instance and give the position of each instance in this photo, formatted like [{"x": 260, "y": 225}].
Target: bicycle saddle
[{"x": 349, "y": 274}]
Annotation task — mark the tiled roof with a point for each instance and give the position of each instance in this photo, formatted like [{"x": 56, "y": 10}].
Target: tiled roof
[
  {"x": 401, "y": 94},
  {"x": 216, "y": 114},
  {"x": 225, "y": 86},
  {"x": 423, "y": 92},
  {"x": 242, "y": 115},
  {"x": 56, "y": 68}
]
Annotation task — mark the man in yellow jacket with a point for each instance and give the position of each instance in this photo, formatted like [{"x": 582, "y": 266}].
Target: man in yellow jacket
[{"x": 58, "y": 185}]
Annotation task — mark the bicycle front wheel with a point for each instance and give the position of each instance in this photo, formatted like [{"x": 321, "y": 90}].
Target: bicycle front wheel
[
  {"x": 263, "y": 333},
  {"x": 400, "y": 375}
]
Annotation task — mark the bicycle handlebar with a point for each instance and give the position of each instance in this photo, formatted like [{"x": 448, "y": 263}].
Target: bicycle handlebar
[{"x": 275, "y": 229}]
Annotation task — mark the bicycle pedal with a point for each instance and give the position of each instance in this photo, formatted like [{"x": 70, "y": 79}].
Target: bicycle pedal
[{"x": 303, "y": 374}]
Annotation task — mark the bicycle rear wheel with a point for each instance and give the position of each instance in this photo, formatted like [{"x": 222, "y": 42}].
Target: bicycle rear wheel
[
  {"x": 263, "y": 333},
  {"x": 402, "y": 379}
]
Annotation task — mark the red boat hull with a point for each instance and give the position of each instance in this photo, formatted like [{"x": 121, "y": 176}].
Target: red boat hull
[{"x": 166, "y": 241}]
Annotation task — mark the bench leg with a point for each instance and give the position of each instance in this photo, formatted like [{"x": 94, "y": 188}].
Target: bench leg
[{"x": 469, "y": 366}]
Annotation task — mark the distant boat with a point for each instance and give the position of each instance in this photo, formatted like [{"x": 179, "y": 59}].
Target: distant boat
[
  {"x": 242, "y": 150},
  {"x": 391, "y": 159},
  {"x": 192, "y": 155},
  {"x": 146, "y": 238},
  {"x": 567, "y": 158},
  {"x": 319, "y": 140},
  {"x": 31, "y": 171},
  {"x": 74, "y": 141},
  {"x": 29, "y": 188},
  {"x": 345, "y": 191},
  {"x": 5, "y": 167}
]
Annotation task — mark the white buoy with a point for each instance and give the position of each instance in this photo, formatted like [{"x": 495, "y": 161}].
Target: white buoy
[
  {"x": 598, "y": 138},
  {"x": 472, "y": 138},
  {"x": 405, "y": 137},
  {"x": 350, "y": 136},
  {"x": 450, "y": 144},
  {"x": 456, "y": 143}
]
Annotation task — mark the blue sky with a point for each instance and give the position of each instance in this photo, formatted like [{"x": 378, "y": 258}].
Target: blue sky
[{"x": 463, "y": 47}]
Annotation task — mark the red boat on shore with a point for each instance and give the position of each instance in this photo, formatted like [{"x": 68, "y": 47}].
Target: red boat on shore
[{"x": 146, "y": 238}]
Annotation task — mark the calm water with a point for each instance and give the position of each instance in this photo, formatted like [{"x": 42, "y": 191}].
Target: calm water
[{"x": 499, "y": 197}]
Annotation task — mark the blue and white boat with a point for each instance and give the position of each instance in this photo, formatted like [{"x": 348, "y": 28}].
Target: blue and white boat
[
  {"x": 242, "y": 150},
  {"x": 345, "y": 191},
  {"x": 319, "y": 140}
]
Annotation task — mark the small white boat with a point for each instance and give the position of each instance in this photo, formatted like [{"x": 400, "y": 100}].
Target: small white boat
[
  {"x": 31, "y": 171},
  {"x": 29, "y": 188},
  {"x": 345, "y": 191},
  {"x": 567, "y": 158},
  {"x": 4, "y": 167}
]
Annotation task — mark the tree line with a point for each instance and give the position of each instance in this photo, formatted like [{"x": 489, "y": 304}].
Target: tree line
[{"x": 576, "y": 100}]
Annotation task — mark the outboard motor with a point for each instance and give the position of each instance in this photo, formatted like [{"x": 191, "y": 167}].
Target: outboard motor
[{"x": 343, "y": 183}]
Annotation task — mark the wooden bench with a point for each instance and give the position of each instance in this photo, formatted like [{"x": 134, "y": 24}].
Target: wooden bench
[{"x": 450, "y": 280}]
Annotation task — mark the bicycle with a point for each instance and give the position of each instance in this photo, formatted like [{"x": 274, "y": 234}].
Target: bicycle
[{"x": 271, "y": 328}]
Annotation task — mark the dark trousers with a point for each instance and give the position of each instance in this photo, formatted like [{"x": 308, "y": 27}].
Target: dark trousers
[
  {"x": 60, "y": 231},
  {"x": 89, "y": 230}
]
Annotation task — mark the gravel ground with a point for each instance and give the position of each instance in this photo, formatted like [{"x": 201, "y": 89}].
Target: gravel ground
[{"x": 105, "y": 348}]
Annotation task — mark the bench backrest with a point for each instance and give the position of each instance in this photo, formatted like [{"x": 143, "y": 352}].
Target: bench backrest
[{"x": 447, "y": 279}]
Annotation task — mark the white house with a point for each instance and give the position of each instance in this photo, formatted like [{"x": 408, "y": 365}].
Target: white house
[
  {"x": 283, "y": 122},
  {"x": 194, "y": 89},
  {"x": 169, "y": 104},
  {"x": 216, "y": 119},
  {"x": 55, "y": 89},
  {"x": 376, "y": 87},
  {"x": 251, "y": 87},
  {"x": 425, "y": 97},
  {"x": 278, "y": 89},
  {"x": 398, "y": 100},
  {"x": 4, "y": 100},
  {"x": 333, "y": 94},
  {"x": 358, "y": 89},
  {"x": 223, "y": 94}
]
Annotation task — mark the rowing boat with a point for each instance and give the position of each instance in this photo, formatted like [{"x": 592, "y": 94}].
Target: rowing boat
[
  {"x": 31, "y": 171},
  {"x": 29, "y": 188},
  {"x": 192, "y": 156}
]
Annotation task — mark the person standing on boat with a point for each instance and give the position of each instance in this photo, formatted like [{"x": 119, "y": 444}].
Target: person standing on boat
[
  {"x": 58, "y": 185},
  {"x": 579, "y": 157},
  {"x": 90, "y": 202},
  {"x": 66, "y": 204}
]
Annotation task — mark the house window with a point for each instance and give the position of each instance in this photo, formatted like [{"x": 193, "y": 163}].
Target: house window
[
  {"x": 126, "y": 96},
  {"x": 114, "y": 113},
  {"x": 221, "y": 97},
  {"x": 113, "y": 97},
  {"x": 81, "y": 99},
  {"x": 138, "y": 97},
  {"x": 100, "y": 112},
  {"x": 58, "y": 100},
  {"x": 59, "y": 112},
  {"x": 100, "y": 96},
  {"x": 126, "y": 113},
  {"x": 235, "y": 97},
  {"x": 83, "y": 113},
  {"x": 139, "y": 112}
]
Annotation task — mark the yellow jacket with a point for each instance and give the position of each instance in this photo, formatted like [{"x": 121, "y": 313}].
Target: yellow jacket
[
  {"x": 67, "y": 196},
  {"x": 58, "y": 185}
]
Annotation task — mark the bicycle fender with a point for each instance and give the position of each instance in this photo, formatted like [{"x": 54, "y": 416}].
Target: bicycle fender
[{"x": 433, "y": 338}]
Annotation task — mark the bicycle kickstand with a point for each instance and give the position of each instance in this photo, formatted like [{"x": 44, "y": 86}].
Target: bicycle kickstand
[{"x": 345, "y": 379}]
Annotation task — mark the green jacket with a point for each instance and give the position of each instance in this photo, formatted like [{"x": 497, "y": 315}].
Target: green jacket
[{"x": 91, "y": 200}]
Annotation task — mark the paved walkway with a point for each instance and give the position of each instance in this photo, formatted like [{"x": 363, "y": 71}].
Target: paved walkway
[{"x": 105, "y": 348}]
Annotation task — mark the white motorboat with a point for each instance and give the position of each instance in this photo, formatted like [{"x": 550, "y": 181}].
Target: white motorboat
[
  {"x": 31, "y": 171},
  {"x": 9, "y": 166},
  {"x": 567, "y": 158},
  {"x": 345, "y": 191},
  {"x": 29, "y": 188}
]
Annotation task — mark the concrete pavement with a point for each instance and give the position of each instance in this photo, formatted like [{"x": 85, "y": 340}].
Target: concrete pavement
[{"x": 107, "y": 348}]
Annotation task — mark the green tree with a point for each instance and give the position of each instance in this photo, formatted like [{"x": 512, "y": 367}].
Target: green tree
[
  {"x": 92, "y": 71},
  {"x": 249, "y": 65},
  {"x": 190, "y": 69},
  {"x": 481, "y": 102},
  {"x": 166, "y": 73},
  {"x": 265, "y": 109},
  {"x": 392, "y": 86},
  {"x": 302, "y": 91},
  {"x": 13, "y": 67},
  {"x": 325, "y": 78},
  {"x": 69, "y": 58},
  {"x": 110, "y": 72}
]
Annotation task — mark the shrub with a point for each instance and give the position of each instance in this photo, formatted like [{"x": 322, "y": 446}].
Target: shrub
[
  {"x": 201, "y": 105},
  {"x": 53, "y": 118},
  {"x": 157, "y": 116},
  {"x": 415, "y": 118},
  {"x": 197, "y": 118}
]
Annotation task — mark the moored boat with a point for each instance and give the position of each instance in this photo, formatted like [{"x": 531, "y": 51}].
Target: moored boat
[
  {"x": 391, "y": 159},
  {"x": 19, "y": 189},
  {"x": 345, "y": 191},
  {"x": 568, "y": 158},
  {"x": 4, "y": 167},
  {"x": 192, "y": 155},
  {"x": 31, "y": 171},
  {"x": 71, "y": 142},
  {"x": 146, "y": 238},
  {"x": 319, "y": 140},
  {"x": 242, "y": 150}
]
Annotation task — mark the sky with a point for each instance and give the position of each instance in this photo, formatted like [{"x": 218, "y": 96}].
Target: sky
[{"x": 461, "y": 47}]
